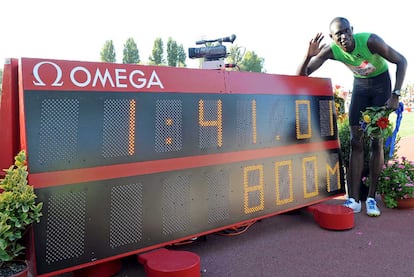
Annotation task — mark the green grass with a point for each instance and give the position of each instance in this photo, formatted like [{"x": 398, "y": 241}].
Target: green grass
[{"x": 407, "y": 124}]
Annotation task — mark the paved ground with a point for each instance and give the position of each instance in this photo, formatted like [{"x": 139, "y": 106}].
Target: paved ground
[{"x": 295, "y": 245}]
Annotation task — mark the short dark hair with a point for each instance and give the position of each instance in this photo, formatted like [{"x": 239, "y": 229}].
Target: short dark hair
[{"x": 339, "y": 19}]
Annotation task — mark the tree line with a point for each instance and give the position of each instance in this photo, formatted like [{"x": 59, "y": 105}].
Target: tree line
[{"x": 176, "y": 55}]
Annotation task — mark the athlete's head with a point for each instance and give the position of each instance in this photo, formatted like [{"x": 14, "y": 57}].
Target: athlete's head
[{"x": 341, "y": 33}]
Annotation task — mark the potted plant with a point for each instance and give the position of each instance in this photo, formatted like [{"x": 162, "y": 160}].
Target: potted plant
[
  {"x": 396, "y": 183},
  {"x": 18, "y": 211}
]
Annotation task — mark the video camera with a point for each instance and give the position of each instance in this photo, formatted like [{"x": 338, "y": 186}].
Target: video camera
[{"x": 211, "y": 53}]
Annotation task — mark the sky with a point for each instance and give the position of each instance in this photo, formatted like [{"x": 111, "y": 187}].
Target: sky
[{"x": 277, "y": 31}]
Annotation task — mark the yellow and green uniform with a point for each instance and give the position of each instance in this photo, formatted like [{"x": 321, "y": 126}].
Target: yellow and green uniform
[{"x": 361, "y": 61}]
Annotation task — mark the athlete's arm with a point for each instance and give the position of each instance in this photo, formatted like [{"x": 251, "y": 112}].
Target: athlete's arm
[
  {"x": 377, "y": 46},
  {"x": 317, "y": 54}
]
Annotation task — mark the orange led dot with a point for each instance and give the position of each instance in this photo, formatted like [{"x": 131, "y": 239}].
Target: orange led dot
[
  {"x": 168, "y": 122},
  {"x": 168, "y": 141}
]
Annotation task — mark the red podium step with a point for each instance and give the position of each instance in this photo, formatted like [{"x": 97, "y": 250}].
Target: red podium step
[
  {"x": 170, "y": 263},
  {"x": 333, "y": 217}
]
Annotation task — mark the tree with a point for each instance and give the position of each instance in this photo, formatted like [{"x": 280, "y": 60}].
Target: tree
[
  {"x": 182, "y": 56},
  {"x": 157, "y": 53},
  {"x": 235, "y": 55},
  {"x": 251, "y": 62},
  {"x": 172, "y": 52},
  {"x": 131, "y": 53},
  {"x": 108, "y": 52},
  {"x": 176, "y": 55}
]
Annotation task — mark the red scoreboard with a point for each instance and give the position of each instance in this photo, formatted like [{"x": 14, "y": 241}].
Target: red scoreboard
[{"x": 127, "y": 158}]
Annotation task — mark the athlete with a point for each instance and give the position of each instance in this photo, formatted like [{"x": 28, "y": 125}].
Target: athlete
[{"x": 367, "y": 56}]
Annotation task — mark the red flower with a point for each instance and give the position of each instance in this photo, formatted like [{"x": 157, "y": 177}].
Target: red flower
[{"x": 382, "y": 122}]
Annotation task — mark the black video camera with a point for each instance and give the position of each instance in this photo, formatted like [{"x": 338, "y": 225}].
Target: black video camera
[{"x": 211, "y": 53}]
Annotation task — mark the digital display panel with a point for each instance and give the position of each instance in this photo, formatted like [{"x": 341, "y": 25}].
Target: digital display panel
[{"x": 127, "y": 157}]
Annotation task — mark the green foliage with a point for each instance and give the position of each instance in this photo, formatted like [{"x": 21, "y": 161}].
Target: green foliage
[
  {"x": 108, "y": 52},
  {"x": 252, "y": 62},
  {"x": 396, "y": 181},
  {"x": 235, "y": 55},
  {"x": 407, "y": 124},
  {"x": 181, "y": 54},
  {"x": 172, "y": 52},
  {"x": 157, "y": 57},
  {"x": 375, "y": 122},
  {"x": 344, "y": 134},
  {"x": 18, "y": 209},
  {"x": 340, "y": 107},
  {"x": 130, "y": 53}
]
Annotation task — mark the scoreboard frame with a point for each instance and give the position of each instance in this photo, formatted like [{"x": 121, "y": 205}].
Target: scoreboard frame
[{"x": 129, "y": 158}]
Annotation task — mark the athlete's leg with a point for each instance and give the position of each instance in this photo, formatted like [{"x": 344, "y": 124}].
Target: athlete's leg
[
  {"x": 375, "y": 165},
  {"x": 356, "y": 162}
]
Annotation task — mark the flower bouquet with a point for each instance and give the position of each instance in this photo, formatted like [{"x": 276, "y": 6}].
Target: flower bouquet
[{"x": 375, "y": 123}]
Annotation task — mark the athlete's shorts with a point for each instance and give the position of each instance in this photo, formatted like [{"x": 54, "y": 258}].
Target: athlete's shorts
[{"x": 368, "y": 92}]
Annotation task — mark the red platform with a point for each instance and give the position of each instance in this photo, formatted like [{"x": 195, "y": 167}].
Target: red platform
[
  {"x": 170, "y": 263},
  {"x": 333, "y": 217}
]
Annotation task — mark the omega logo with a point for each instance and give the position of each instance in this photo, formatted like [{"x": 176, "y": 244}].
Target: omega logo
[
  {"x": 80, "y": 76},
  {"x": 39, "y": 81}
]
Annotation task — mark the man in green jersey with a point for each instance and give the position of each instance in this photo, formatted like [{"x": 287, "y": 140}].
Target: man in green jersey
[{"x": 367, "y": 56}]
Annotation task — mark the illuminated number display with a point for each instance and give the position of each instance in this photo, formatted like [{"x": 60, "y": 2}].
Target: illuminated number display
[
  {"x": 118, "y": 134},
  {"x": 150, "y": 127},
  {"x": 210, "y": 137},
  {"x": 168, "y": 125},
  {"x": 149, "y": 167},
  {"x": 303, "y": 119},
  {"x": 284, "y": 182},
  {"x": 234, "y": 157},
  {"x": 253, "y": 183}
]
